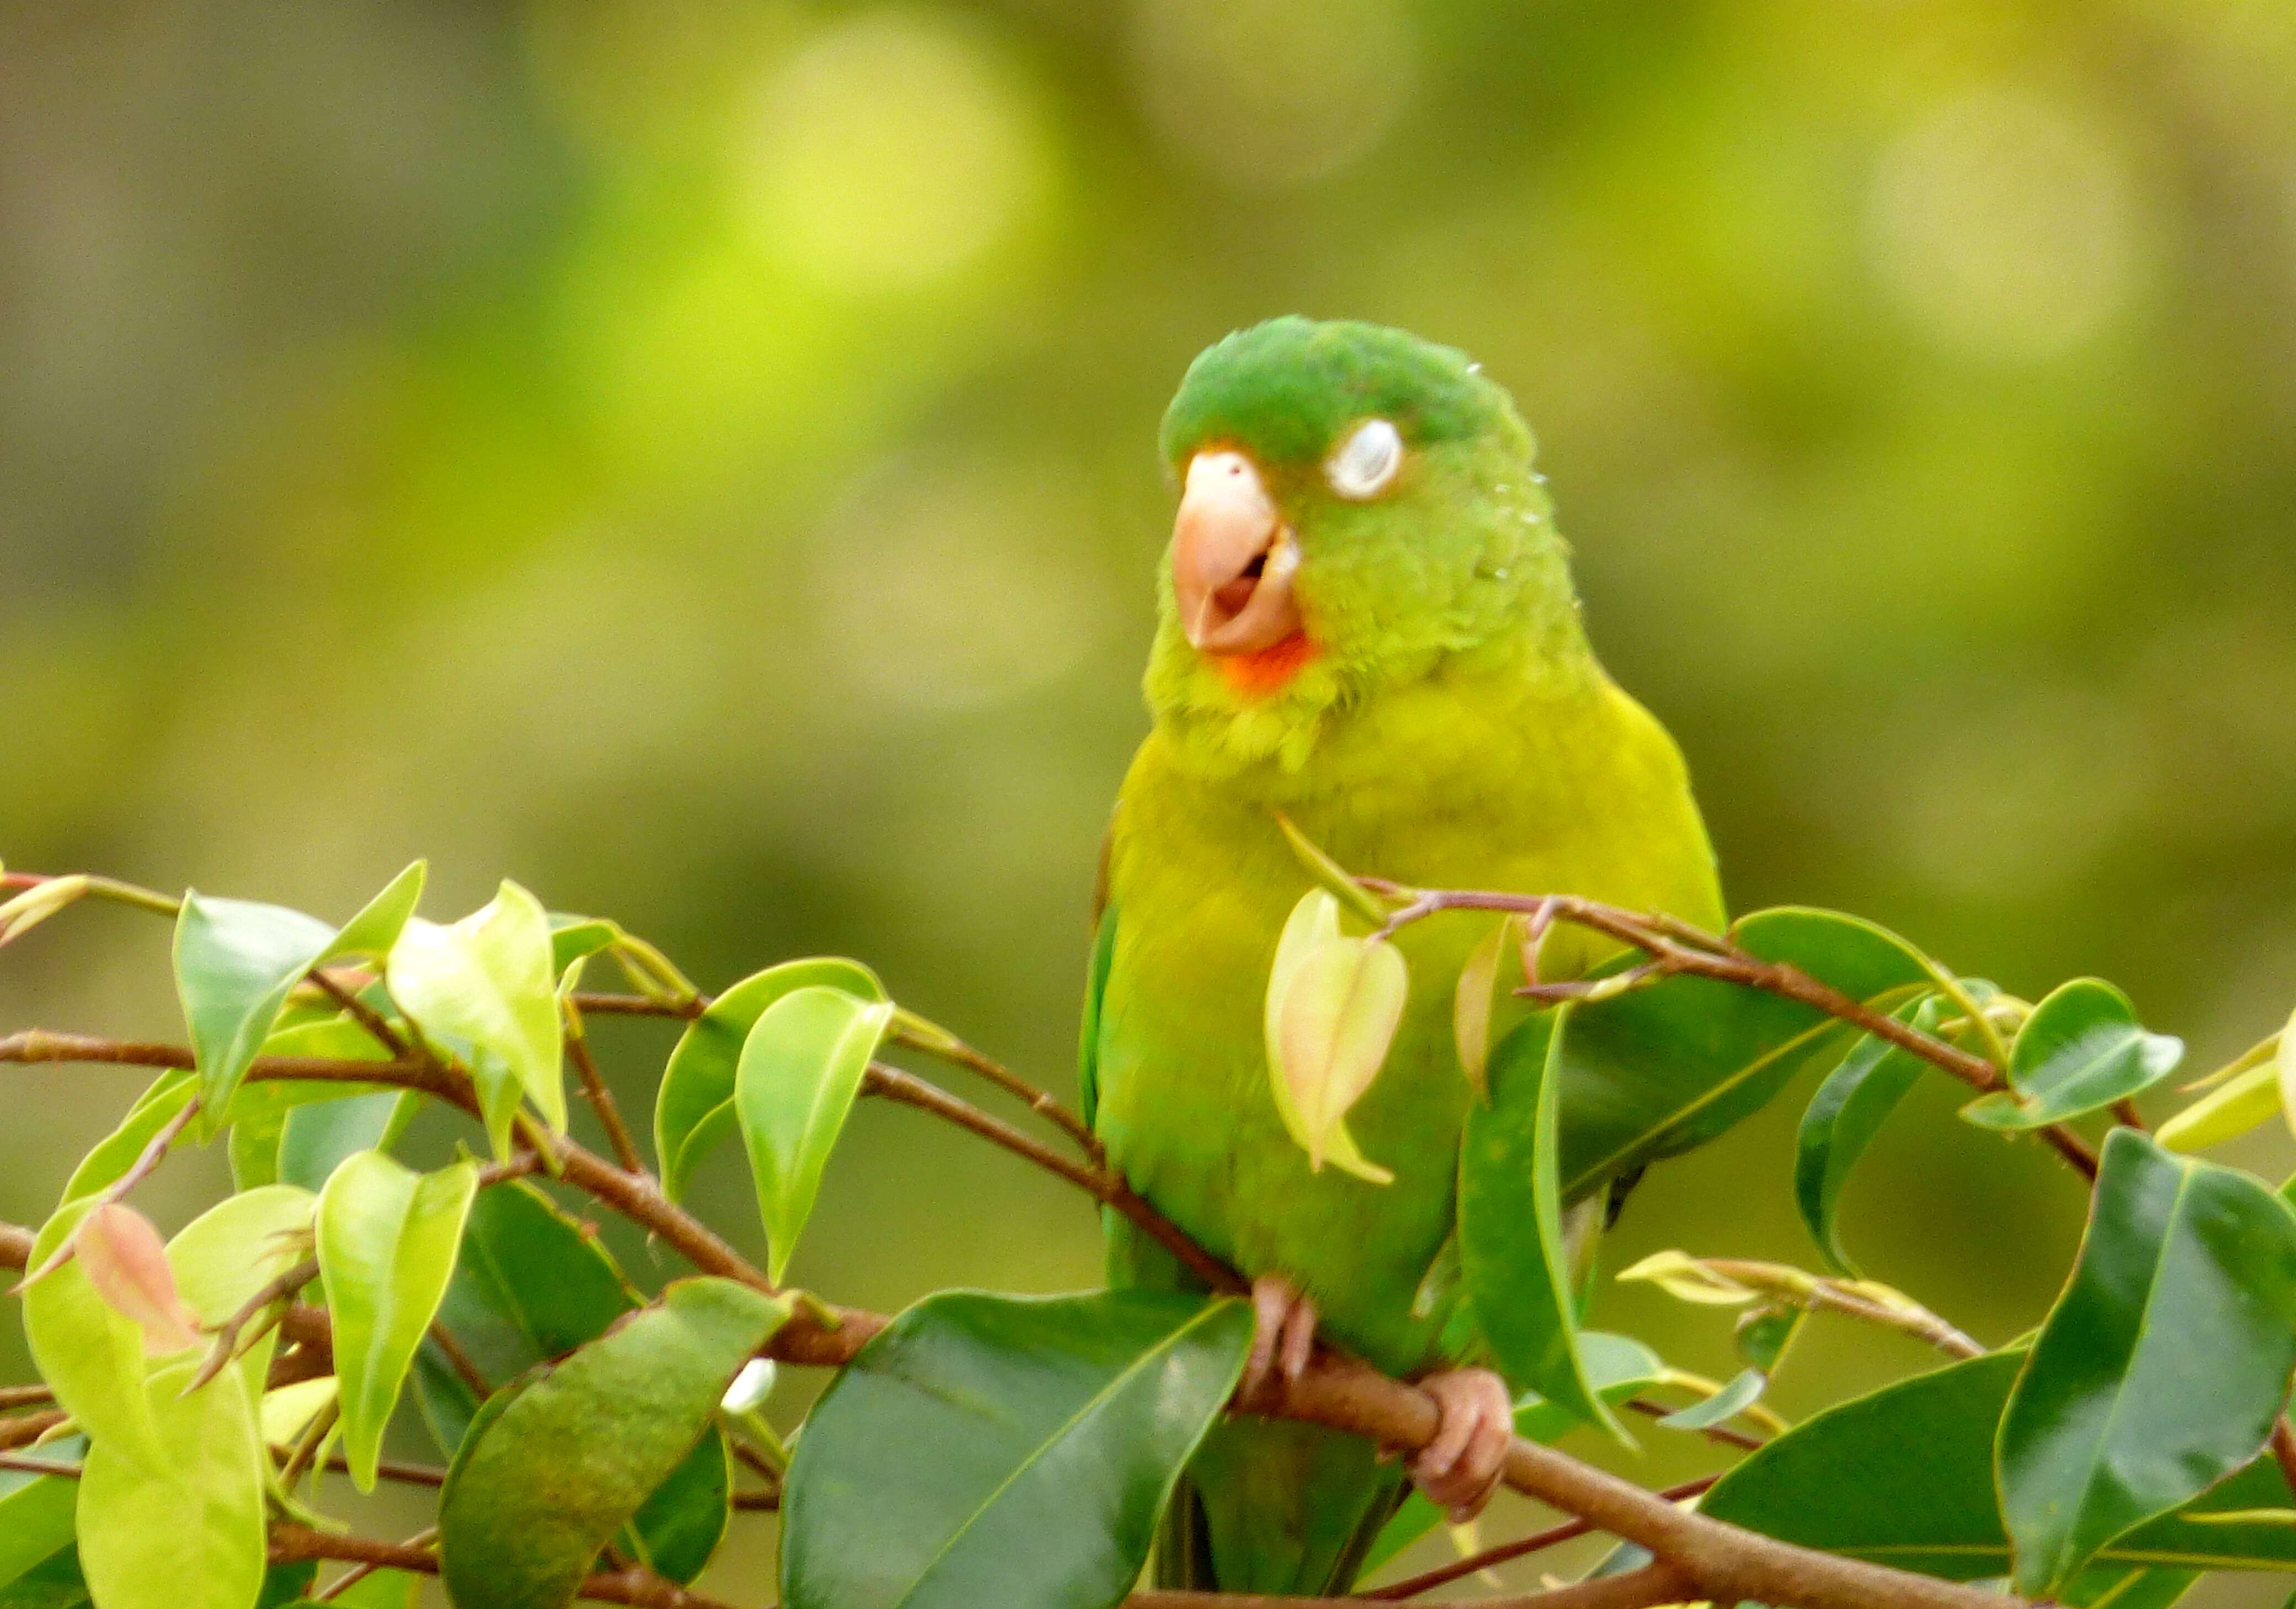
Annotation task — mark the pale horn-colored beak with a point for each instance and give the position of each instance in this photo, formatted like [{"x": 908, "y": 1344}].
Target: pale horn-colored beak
[{"x": 1233, "y": 559}]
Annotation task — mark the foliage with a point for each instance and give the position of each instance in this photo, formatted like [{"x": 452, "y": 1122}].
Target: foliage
[{"x": 601, "y": 1440}]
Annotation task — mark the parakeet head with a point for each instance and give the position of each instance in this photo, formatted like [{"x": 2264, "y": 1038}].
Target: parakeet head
[{"x": 1359, "y": 510}]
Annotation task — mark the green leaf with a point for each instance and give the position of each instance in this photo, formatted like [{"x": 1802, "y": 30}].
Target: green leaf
[
  {"x": 1904, "y": 1477},
  {"x": 91, "y": 1355},
  {"x": 799, "y": 1070},
  {"x": 1843, "y": 1117},
  {"x": 1337, "y": 1017},
  {"x": 54, "y": 1583},
  {"x": 2249, "y": 1101},
  {"x": 976, "y": 1430},
  {"x": 1742, "y": 1392},
  {"x": 1312, "y": 927},
  {"x": 117, "y": 1151},
  {"x": 1764, "y": 1334},
  {"x": 529, "y": 1288},
  {"x": 486, "y": 984},
  {"x": 694, "y": 1108},
  {"x": 2082, "y": 1049},
  {"x": 237, "y": 960},
  {"x": 232, "y": 1251},
  {"x": 1511, "y": 1250},
  {"x": 186, "y": 1533},
  {"x": 577, "y": 937},
  {"x": 2160, "y": 1368},
  {"x": 387, "y": 1241},
  {"x": 677, "y": 1529},
  {"x": 555, "y": 1466},
  {"x": 1618, "y": 1366},
  {"x": 36, "y": 1514},
  {"x": 1659, "y": 1069}
]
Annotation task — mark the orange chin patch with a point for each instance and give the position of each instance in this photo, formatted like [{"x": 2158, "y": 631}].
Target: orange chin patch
[{"x": 1271, "y": 670}]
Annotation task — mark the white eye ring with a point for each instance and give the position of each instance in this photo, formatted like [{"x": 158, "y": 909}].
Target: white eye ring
[{"x": 1365, "y": 464}]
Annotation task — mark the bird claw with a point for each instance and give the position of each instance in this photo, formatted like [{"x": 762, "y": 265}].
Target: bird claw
[
  {"x": 1460, "y": 1468},
  {"x": 1282, "y": 1338}
]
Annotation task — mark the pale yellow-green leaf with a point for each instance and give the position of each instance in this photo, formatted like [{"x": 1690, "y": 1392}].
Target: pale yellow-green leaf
[
  {"x": 90, "y": 1355},
  {"x": 1314, "y": 921},
  {"x": 2232, "y": 1109},
  {"x": 1341, "y": 1007},
  {"x": 186, "y": 1532},
  {"x": 1472, "y": 1001},
  {"x": 1686, "y": 1280},
  {"x": 288, "y": 1412},
  {"x": 488, "y": 983},
  {"x": 2283, "y": 1062},
  {"x": 228, "y": 1253}
]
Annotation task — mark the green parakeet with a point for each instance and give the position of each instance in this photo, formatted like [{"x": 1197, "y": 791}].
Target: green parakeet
[{"x": 1367, "y": 624}]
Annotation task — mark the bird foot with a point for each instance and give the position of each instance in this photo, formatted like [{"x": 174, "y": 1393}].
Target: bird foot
[
  {"x": 1459, "y": 1469},
  {"x": 1282, "y": 1338}
]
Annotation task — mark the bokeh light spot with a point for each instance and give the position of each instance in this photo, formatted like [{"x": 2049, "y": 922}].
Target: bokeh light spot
[
  {"x": 2006, "y": 224},
  {"x": 1272, "y": 92},
  {"x": 891, "y": 152}
]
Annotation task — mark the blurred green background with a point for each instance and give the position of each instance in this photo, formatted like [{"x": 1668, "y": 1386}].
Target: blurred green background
[{"x": 697, "y": 458}]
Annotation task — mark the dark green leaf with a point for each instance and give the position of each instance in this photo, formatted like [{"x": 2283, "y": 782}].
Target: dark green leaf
[
  {"x": 2081, "y": 1049},
  {"x": 55, "y": 1582},
  {"x": 555, "y": 1465},
  {"x": 1659, "y": 1069},
  {"x": 677, "y": 1529},
  {"x": 800, "y": 1068},
  {"x": 2162, "y": 1367},
  {"x": 694, "y": 1108},
  {"x": 1843, "y": 1117},
  {"x": 1905, "y": 1477},
  {"x": 990, "y": 1450},
  {"x": 1511, "y": 1250}
]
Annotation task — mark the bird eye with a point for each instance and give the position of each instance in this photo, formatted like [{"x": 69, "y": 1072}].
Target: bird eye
[{"x": 1366, "y": 462}]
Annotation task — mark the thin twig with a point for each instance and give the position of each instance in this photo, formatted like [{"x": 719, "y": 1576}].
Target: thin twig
[
  {"x": 602, "y": 1099},
  {"x": 364, "y": 1014},
  {"x": 637, "y": 1005},
  {"x": 38, "y": 1466},
  {"x": 1105, "y": 1186},
  {"x": 2284, "y": 1449},
  {"x": 306, "y": 1448},
  {"x": 227, "y": 1333},
  {"x": 460, "y": 1361},
  {"x": 934, "y": 1040},
  {"x": 1783, "y": 1283},
  {"x": 13, "y": 1396},
  {"x": 1552, "y": 1537},
  {"x": 25, "y": 1429},
  {"x": 152, "y": 1154}
]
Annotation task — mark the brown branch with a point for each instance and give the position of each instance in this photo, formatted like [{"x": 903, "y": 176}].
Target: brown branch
[
  {"x": 227, "y": 1333},
  {"x": 146, "y": 1162},
  {"x": 1554, "y": 1536},
  {"x": 1820, "y": 1294},
  {"x": 602, "y": 1099},
  {"x": 2284, "y": 1449},
  {"x": 38, "y": 1045},
  {"x": 291, "y": 1544},
  {"x": 1105, "y": 1186},
  {"x": 12, "y": 1396},
  {"x": 465, "y": 1369},
  {"x": 1645, "y": 1588}
]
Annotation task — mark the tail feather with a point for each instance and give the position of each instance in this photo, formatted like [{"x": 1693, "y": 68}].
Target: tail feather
[{"x": 1276, "y": 1506}]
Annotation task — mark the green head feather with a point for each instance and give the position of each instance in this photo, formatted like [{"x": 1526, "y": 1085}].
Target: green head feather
[{"x": 1457, "y": 568}]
